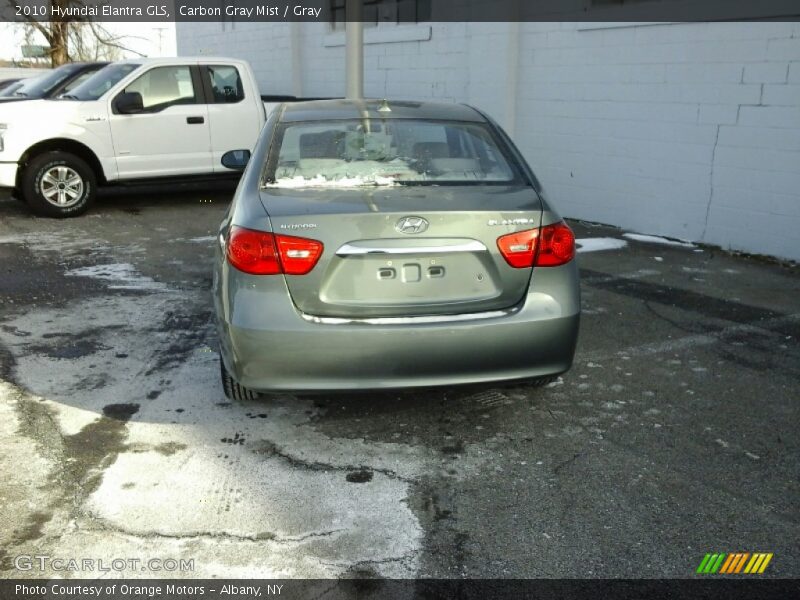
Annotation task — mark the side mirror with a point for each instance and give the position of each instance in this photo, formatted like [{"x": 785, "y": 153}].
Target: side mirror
[
  {"x": 129, "y": 103},
  {"x": 236, "y": 159}
]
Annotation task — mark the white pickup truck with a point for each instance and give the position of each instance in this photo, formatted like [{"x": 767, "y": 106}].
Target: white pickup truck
[{"x": 132, "y": 122}]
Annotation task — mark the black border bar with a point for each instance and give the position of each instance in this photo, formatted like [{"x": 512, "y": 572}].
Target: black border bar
[
  {"x": 710, "y": 588},
  {"x": 277, "y": 11}
]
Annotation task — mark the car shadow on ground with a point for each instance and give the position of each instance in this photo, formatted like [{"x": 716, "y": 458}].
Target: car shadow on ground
[{"x": 133, "y": 199}]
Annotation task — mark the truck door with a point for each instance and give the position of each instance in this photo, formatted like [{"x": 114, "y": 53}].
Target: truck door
[
  {"x": 170, "y": 136},
  {"x": 235, "y": 118}
]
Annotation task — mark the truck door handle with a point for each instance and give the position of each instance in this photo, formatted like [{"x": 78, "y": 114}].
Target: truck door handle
[{"x": 195, "y": 120}]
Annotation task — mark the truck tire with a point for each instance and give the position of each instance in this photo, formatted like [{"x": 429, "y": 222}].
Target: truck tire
[{"x": 58, "y": 184}]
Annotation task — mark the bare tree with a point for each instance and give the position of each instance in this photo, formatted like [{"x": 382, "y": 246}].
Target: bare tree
[
  {"x": 71, "y": 39},
  {"x": 88, "y": 40}
]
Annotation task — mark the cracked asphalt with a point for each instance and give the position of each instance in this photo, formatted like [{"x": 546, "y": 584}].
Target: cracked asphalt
[{"x": 675, "y": 434}]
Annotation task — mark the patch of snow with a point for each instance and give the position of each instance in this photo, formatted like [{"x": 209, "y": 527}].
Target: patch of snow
[
  {"x": 123, "y": 276},
  {"x": 322, "y": 181},
  {"x": 657, "y": 239},
  {"x": 202, "y": 240},
  {"x": 598, "y": 244}
]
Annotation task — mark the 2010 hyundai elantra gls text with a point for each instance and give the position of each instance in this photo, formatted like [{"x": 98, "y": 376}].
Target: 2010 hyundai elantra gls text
[{"x": 379, "y": 244}]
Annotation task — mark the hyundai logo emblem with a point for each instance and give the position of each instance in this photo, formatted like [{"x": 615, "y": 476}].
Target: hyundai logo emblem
[{"x": 411, "y": 225}]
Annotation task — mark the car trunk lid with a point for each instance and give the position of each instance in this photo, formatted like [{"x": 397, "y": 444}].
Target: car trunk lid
[{"x": 388, "y": 254}]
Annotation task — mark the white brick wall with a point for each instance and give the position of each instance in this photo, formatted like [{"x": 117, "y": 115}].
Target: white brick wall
[{"x": 685, "y": 130}]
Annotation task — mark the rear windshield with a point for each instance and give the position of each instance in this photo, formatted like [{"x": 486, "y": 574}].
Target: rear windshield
[{"x": 359, "y": 152}]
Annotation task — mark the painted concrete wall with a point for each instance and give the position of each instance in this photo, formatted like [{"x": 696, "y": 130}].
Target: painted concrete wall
[{"x": 684, "y": 130}]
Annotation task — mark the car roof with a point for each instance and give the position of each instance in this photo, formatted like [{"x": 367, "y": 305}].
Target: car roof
[
  {"x": 181, "y": 60},
  {"x": 323, "y": 110}
]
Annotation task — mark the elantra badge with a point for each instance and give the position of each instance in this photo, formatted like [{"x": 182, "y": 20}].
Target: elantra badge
[
  {"x": 299, "y": 226},
  {"x": 411, "y": 225}
]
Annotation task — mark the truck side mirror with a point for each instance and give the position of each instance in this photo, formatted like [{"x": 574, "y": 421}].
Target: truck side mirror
[
  {"x": 236, "y": 159},
  {"x": 128, "y": 103}
]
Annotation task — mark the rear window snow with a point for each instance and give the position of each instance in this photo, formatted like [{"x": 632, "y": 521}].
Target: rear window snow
[
  {"x": 317, "y": 172},
  {"x": 369, "y": 152}
]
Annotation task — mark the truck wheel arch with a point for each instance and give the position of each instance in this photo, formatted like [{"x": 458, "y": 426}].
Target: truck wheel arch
[{"x": 64, "y": 145}]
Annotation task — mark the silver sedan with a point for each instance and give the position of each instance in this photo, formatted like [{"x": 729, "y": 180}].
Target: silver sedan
[{"x": 379, "y": 244}]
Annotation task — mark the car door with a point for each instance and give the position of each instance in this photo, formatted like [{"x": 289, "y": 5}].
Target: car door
[
  {"x": 170, "y": 136},
  {"x": 234, "y": 118}
]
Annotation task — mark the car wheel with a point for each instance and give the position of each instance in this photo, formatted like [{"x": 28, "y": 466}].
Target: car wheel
[
  {"x": 541, "y": 381},
  {"x": 233, "y": 390},
  {"x": 58, "y": 184}
]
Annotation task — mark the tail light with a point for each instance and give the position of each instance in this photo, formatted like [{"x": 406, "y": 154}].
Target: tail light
[
  {"x": 548, "y": 246},
  {"x": 298, "y": 255},
  {"x": 262, "y": 253}
]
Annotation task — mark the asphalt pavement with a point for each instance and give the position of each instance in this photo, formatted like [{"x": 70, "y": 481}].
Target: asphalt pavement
[{"x": 674, "y": 435}]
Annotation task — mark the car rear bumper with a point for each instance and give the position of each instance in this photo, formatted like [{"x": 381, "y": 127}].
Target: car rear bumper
[
  {"x": 8, "y": 174},
  {"x": 268, "y": 345}
]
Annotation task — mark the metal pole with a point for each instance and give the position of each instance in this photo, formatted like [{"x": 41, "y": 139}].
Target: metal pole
[
  {"x": 354, "y": 50},
  {"x": 512, "y": 79},
  {"x": 297, "y": 53}
]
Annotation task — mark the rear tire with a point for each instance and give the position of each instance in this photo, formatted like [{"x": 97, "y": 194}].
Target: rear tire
[
  {"x": 58, "y": 184},
  {"x": 233, "y": 389},
  {"x": 541, "y": 381}
]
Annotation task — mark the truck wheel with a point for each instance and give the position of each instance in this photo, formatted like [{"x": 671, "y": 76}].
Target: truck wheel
[
  {"x": 58, "y": 184},
  {"x": 233, "y": 390}
]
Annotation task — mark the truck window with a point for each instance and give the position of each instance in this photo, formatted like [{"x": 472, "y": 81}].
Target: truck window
[
  {"x": 164, "y": 86},
  {"x": 225, "y": 83}
]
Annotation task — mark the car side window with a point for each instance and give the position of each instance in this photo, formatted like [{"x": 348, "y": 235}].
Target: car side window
[
  {"x": 225, "y": 83},
  {"x": 163, "y": 87}
]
